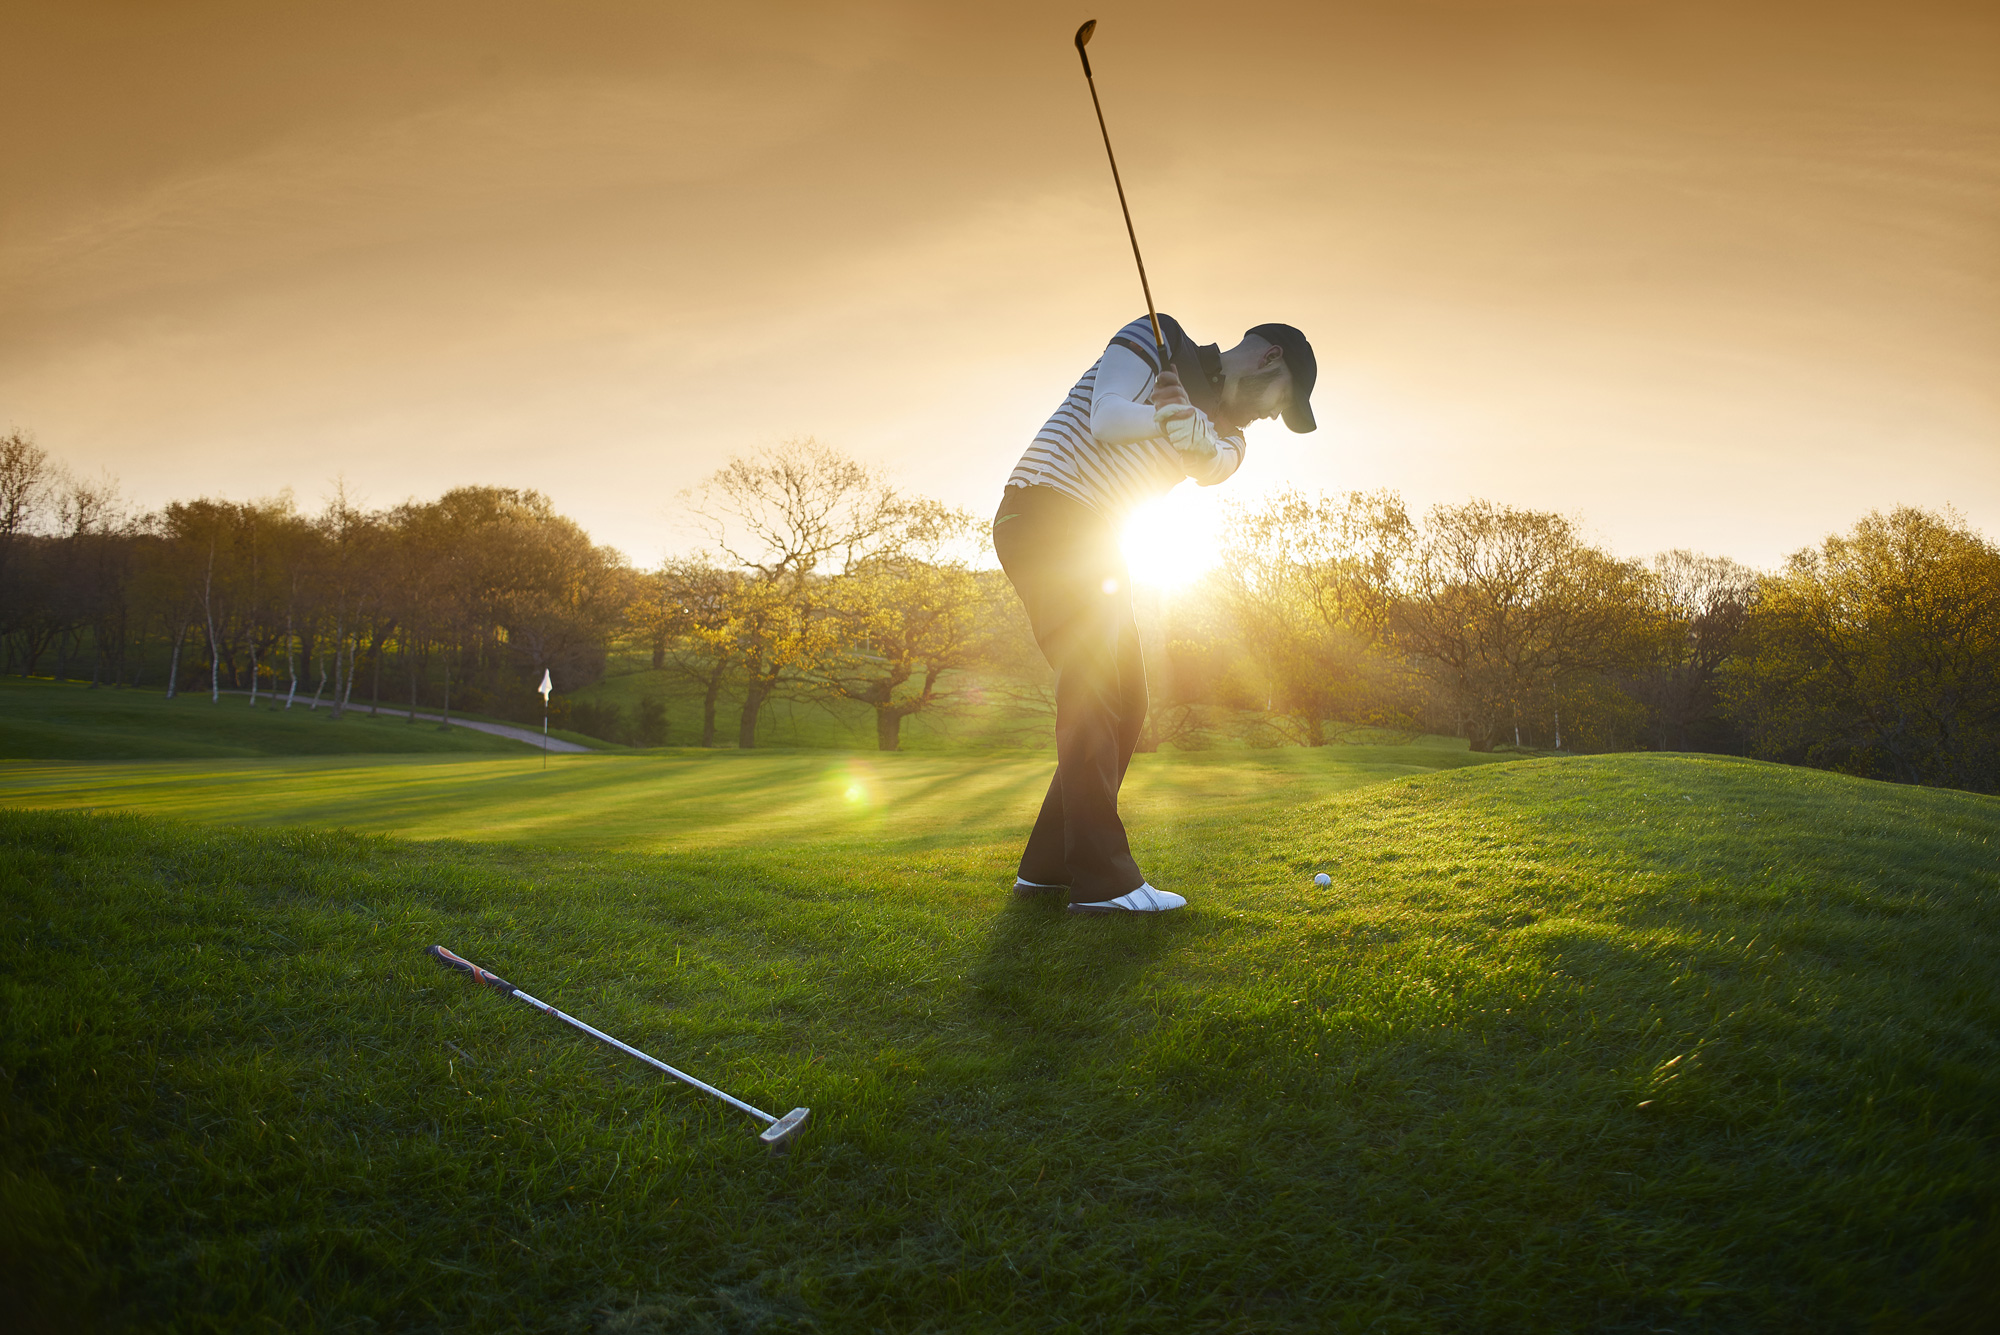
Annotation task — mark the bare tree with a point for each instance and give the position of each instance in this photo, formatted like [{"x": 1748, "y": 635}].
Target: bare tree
[
  {"x": 788, "y": 517},
  {"x": 87, "y": 582},
  {"x": 793, "y": 509},
  {"x": 25, "y": 475}
]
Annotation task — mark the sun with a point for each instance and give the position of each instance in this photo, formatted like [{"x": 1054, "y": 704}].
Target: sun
[{"x": 1175, "y": 540}]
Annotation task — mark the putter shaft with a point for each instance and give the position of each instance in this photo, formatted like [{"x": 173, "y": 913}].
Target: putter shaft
[
  {"x": 777, "y": 1129},
  {"x": 651, "y": 1061}
]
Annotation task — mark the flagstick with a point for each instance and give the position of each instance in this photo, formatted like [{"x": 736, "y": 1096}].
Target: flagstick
[{"x": 548, "y": 684}]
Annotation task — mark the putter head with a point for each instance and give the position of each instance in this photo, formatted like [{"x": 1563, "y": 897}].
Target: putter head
[{"x": 779, "y": 1133}]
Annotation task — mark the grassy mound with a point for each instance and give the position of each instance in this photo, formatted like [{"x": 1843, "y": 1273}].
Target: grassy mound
[
  {"x": 42, "y": 720},
  {"x": 1608, "y": 1044}
]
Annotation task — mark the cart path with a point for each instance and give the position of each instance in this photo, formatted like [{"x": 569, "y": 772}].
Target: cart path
[{"x": 557, "y": 746}]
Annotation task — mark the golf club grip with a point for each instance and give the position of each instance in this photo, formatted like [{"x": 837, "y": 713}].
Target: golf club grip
[{"x": 493, "y": 980}]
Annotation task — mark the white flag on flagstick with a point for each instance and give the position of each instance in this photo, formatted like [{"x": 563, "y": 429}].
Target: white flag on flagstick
[{"x": 546, "y": 686}]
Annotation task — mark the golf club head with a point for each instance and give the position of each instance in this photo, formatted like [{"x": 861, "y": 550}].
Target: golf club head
[
  {"x": 1082, "y": 40},
  {"x": 779, "y": 1133}
]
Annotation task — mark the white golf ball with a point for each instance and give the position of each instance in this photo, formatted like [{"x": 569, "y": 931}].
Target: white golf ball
[{"x": 1322, "y": 879}]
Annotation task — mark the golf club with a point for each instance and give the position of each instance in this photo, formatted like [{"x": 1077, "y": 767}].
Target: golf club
[
  {"x": 1083, "y": 40},
  {"x": 778, "y": 1130}
]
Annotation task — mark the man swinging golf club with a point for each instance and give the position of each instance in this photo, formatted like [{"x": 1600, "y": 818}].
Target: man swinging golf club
[
  {"x": 1132, "y": 429},
  {"x": 1153, "y": 409}
]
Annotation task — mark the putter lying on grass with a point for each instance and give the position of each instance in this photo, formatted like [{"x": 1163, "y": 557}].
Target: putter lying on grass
[{"x": 777, "y": 1133}]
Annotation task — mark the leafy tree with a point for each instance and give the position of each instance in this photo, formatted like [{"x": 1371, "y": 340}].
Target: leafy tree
[
  {"x": 1878, "y": 653},
  {"x": 347, "y": 576},
  {"x": 1309, "y": 583},
  {"x": 775, "y": 631},
  {"x": 200, "y": 550},
  {"x": 683, "y": 609},
  {"x": 1505, "y": 608},
  {"x": 421, "y": 586},
  {"x": 906, "y": 615},
  {"x": 1695, "y": 609},
  {"x": 1014, "y": 674},
  {"x": 491, "y": 587}
]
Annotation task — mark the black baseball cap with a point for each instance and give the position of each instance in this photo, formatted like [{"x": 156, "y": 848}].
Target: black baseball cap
[{"x": 1299, "y": 359}]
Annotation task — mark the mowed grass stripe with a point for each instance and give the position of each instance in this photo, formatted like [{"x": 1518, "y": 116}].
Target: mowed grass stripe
[
  {"x": 666, "y": 800},
  {"x": 1624, "y": 1043}
]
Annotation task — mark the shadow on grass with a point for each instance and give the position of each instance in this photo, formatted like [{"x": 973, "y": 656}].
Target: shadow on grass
[{"x": 1055, "y": 992}]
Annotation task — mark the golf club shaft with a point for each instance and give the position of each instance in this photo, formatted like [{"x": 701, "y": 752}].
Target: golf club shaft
[
  {"x": 495, "y": 981},
  {"x": 631, "y": 1051},
  {"x": 1158, "y": 342}
]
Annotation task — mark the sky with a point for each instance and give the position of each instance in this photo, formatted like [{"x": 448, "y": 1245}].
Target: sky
[{"x": 1717, "y": 276}]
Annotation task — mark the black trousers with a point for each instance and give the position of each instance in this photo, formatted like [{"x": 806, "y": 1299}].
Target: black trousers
[{"x": 1063, "y": 560}]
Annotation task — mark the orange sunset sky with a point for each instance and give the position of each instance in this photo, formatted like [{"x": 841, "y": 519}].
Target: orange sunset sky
[{"x": 1712, "y": 275}]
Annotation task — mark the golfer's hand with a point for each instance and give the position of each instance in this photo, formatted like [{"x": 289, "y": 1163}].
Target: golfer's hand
[
  {"x": 1189, "y": 431},
  {"x": 1168, "y": 390}
]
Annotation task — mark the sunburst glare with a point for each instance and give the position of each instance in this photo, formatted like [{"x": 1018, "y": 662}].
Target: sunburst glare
[{"x": 1175, "y": 540}]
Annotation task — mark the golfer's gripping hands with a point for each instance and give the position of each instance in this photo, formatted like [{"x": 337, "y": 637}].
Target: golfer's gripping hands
[
  {"x": 1129, "y": 404},
  {"x": 1185, "y": 426},
  {"x": 1127, "y": 432}
]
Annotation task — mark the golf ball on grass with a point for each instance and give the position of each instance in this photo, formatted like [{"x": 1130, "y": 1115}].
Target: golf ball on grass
[{"x": 1322, "y": 879}]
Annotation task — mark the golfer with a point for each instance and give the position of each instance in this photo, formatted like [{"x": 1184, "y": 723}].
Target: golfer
[{"x": 1129, "y": 431}]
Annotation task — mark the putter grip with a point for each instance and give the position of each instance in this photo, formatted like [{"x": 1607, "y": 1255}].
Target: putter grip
[{"x": 444, "y": 956}]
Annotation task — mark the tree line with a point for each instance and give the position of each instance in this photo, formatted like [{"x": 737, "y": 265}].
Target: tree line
[
  {"x": 453, "y": 603},
  {"x": 1876, "y": 652},
  {"x": 1873, "y": 653}
]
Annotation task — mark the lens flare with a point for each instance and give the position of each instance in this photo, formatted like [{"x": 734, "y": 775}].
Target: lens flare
[{"x": 1175, "y": 540}]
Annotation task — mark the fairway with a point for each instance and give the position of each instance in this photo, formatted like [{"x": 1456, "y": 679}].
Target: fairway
[
  {"x": 696, "y": 799},
  {"x": 1617, "y": 1043}
]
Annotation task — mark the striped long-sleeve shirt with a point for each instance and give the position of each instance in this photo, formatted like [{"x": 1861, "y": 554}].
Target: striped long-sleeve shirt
[{"x": 1103, "y": 447}]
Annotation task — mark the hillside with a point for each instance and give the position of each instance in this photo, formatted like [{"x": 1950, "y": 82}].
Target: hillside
[{"x": 1617, "y": 1044}]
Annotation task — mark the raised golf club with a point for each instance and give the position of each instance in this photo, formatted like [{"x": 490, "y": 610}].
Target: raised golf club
[
  {"x": 778, "y": 1131},
  {"x": 1083, "y": 40}
]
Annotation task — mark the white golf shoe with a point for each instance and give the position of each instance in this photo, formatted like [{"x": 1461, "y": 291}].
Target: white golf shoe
[
  {"x": 1145, "y": 899},
  {"x": 1036, "y": 890}
]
